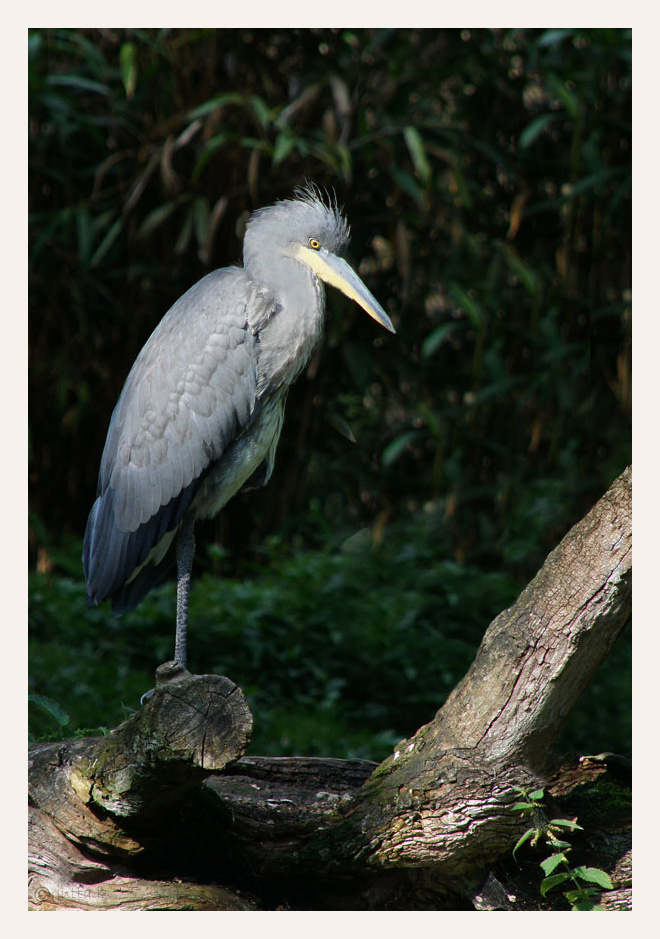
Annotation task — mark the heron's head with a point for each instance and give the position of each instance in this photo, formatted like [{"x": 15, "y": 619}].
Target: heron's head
[{"x": 312, "y": 231}]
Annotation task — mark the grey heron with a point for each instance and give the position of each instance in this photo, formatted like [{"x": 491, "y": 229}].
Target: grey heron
[{"x": 200, "y": 414}]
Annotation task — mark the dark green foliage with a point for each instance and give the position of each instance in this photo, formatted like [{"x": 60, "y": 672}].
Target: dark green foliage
[
  {"x": 368, "y": 640},
  {"x": 340, "y": 652},
  {"x": 486, "y": 175}
]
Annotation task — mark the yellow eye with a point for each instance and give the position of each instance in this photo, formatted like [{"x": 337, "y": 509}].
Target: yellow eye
[{"x": 313, "y": 243}]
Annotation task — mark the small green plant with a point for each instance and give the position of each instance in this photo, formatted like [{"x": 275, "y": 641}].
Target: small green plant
[
  {"x": 587, "y": 882},
  {"x": 52, "y": 710}
]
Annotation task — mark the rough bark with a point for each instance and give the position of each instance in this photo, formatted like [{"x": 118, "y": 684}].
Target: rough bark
[{"x": 114, "y": 819}]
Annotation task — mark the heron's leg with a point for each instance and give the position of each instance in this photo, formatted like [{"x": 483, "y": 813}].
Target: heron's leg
[{"x": 185, "y": 550}]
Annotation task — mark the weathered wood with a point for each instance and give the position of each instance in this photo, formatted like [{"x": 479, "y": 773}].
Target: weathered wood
[
  {"x": 190, "y": 727},
  {"x": 443, "y": 798},
  {"x": 63, "y": 877},
  {"x": 537, "y": 658},
  {"x": 115, "y": 797},
  {"x": 167, "y": 787}
]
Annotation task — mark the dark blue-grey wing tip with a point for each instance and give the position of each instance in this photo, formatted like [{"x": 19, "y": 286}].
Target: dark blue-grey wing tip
[{"x": 111, "y": 556}]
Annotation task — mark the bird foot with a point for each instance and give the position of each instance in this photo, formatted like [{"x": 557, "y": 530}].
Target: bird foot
[{"x": 166, "y": 673}]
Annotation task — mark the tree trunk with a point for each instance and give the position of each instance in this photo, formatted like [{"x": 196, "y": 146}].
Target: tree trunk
[{"x": 164, "y": 814}]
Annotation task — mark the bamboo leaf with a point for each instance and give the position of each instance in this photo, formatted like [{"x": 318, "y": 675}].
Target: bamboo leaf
[
  {"x": 396, "y": 447},
  {"x": 261, "y": 111},
  {"x": 214, "y": 104},
  {"x": 128, "y": 67},
  {"x": 435, "y": 339},
  {"x": 78, "y": 82},
  {"x": 565, "y": 95},
  {"x": 407, "y": 183},
  {"x": 110, "y": 238},
  {"x": 284, "y": 144},
  {"x": 155, "y": 219},
  {"x": 84, "y": 234},
  {"x": 340, "y": 425},
  {"x": 524, "y": 273},
  {"x": 185, "y": 234},
  {"x": 417, "y": 152},
  {"x": 476, "y": 316},
  {"x": 209, "y": 148},
  {"x": 201, "y": 214},
  {"x": 534, "y": 129}
]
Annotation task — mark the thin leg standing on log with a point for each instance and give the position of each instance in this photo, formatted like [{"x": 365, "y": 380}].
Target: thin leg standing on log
[{"x": 185, "y": 552}]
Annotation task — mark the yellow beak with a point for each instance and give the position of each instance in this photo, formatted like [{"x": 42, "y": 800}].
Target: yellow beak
[{"x": 335, "y": 271}]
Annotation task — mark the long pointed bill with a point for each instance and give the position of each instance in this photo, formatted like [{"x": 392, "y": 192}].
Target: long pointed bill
[{"x": 336, "y": 272}]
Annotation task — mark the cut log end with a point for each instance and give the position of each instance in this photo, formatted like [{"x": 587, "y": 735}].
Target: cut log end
[
  {"x": 191, "y": 726},
  {"x": 202, "y": 719}
]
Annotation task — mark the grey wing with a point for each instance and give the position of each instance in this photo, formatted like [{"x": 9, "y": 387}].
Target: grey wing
[{"x": 191, "y": 391}]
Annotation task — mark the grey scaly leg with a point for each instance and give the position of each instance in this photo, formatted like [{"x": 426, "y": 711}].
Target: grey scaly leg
[{"x": 185, "y": 550}]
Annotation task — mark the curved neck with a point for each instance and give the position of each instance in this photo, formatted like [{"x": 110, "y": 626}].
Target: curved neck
[{"x": 291, "y": 333}]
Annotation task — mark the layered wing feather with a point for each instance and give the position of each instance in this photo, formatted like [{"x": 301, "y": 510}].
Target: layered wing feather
[{"x": 190, "y": 393}]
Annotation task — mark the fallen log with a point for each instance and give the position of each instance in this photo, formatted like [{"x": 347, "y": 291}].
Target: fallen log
[{"x": 167, "y": 813}]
